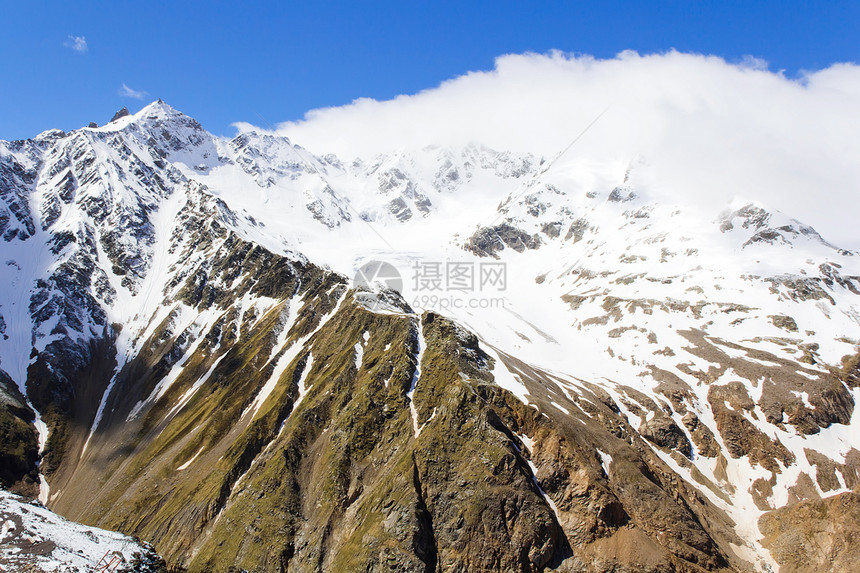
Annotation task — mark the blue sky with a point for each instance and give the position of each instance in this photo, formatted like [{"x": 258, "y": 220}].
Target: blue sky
[{"x": 65, "y": 64}]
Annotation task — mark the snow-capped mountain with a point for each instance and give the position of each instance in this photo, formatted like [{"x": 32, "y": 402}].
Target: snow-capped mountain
[{"x": 572, "y": 372}]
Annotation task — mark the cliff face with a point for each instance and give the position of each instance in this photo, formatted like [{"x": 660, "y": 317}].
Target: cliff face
[
  {"x": 815, "y": 535},
  {"x": 202, "y": 375},
  {"x": 19, "y": 450}
]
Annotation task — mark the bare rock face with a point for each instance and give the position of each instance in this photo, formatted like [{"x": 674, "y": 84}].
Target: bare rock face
[
  {"x": 814, "y": 536},
  {"x": 702, "y": 435},
  {"x": 16, "y": 220},
  {"x": 489, "y": 241},
  {"x": 664, "y": 432},
  {"x": 621, "y": 194},
  {"x": 120, "y": 114},
  {"x": 741, "y": 437},
  {"x": 577, "y": 230},
  {"x": 18, "y": 446},
  {"x": 850, "y": 371}
]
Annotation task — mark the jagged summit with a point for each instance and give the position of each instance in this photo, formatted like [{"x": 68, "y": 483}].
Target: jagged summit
[
  {"x": 159, "y": 107},
  {"x": 182, "y": 328},
  {"x": 157, "y": 110},
  {"x": 120, "y": 114}
]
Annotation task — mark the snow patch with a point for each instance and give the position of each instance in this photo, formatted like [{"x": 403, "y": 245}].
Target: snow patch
[
  {"x": 504, "y": 378},
  {"x": 303, "y": 388},
  {"x": 191, "y": 460},
  {"x": 605, "y": 461},
  {"x": 419, "y": 354}
]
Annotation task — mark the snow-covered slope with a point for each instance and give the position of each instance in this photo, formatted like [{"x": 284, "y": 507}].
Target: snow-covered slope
[
  {"x": 33, "y": 538},
  {"x": 721, "y": 337},
  {"x": 143, "y": 256}
]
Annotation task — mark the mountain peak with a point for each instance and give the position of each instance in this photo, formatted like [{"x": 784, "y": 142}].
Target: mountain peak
[{"x": 159, "y": 109}]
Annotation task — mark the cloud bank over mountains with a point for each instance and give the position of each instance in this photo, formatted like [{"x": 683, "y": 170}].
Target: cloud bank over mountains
[{"x": 707, "y": 129}]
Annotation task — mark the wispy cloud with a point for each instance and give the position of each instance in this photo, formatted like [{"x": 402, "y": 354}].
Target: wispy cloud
[
  {"x": 754, "y": 63},
  {"x": 126, "y": 91},
  {"x": 77, "y": 44}
]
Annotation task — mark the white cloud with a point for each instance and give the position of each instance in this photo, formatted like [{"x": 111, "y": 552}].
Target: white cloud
[
  {"x": 753, "y": 63},
  {"x": 709, "y": 129},
  {"x": 77, "y": 44},
  {"x": 244, "y": 127},
  {"x": 126, "y": 91}
]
